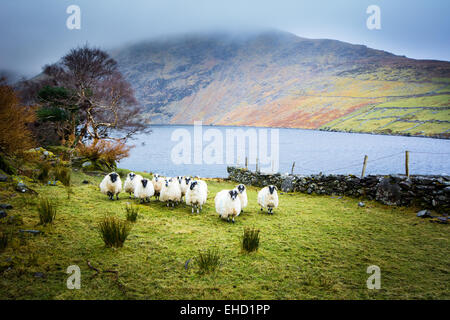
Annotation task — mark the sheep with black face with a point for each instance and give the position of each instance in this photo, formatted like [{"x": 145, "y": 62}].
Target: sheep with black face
[
  {"x": 158, "y": 182},
  {"x": 170, "y": 192},
  {"x": 184, "y": 184},
  {"x": 268, "y": 198},
  {"x": 242, "y": 196},
  {"x": 131, "y": 182},
  {"x": 228, "y": 204},
  {"x": 111, "y": 185},
  {"x": 144, "y": 190},
  {"x": 196, "y": 195}
]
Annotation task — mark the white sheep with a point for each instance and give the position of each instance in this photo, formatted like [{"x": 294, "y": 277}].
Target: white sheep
[
  {"x": 196, "y": 195},
  {"x": 268, "y": 198},
  {"x": 204, "y": 185},
  {"x": 184, "y": 184},
  {"x": 170, "y": 192},
  {"x": 242, "y": 196},
  {"x": 158, "y": 182},
  {"x": 131, "y": 182},
  {"x": 228, "y": 204},
  {"x": 144, "y": 190},
  {"x": 111, "y": 185}
]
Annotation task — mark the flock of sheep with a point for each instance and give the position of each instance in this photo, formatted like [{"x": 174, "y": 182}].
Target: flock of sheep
[{"x": 228, "y": 203}]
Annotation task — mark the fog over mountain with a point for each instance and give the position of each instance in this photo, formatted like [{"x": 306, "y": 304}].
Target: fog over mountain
[
  {"x": 34, "y": 33},
  {"x": 269, "y": 78}
]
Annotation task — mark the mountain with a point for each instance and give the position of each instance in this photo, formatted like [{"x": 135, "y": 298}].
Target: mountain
[{"x": 274, "y": 78}]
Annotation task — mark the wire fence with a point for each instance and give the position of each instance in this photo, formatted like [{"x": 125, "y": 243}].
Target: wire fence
[{"x": 361, "y": 165}]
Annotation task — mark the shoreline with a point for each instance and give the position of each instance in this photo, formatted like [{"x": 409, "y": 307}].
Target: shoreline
[{"x": 306, "y": 129}]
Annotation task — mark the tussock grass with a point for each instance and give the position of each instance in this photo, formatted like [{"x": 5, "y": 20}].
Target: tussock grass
[
  {"x": 132, "y": 212},
  {"x": 250, "y": 240},
  {"x": 26, "y": 200},
  {"x": 113, "y": 231},
  {"x": 46, "y": 210},
  {"x": 317, "y": 247},
  {"x": 208, "y": 261},
  {"x": 4, "y": 239},
  {"x": 44, "y": 172},
  {"x": 64, "y": 175}
]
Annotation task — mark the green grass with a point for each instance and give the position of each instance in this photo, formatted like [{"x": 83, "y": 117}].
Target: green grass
[
  {"x": 132, "y": 212},
  {"x": 3, "y": 241},
  {"x": 208, "y": 261},
  {"x": 113, "y": 231},
  {"x": 250, "y": 240},
  {"x": 46, "y": 210},
  {"x": 63, "y": 174},
  {"x": 313, "y": 247},
  {"x": 373, "y": 119}
]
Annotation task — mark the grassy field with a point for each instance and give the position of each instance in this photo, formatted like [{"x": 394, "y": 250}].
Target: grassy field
[
  {"x": 425, "y": 116},
  {"x": 313, "y": 247}
]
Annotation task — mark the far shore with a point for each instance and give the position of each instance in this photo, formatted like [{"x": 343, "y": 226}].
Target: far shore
[{"x": 437, "y": 136}]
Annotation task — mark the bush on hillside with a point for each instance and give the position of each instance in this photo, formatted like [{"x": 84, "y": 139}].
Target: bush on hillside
[
  {"x": 104, "y": 154},
  {"x": 15, "y": 136}
]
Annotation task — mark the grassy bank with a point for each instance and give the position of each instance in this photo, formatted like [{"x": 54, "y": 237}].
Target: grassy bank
[
  {"x": 420, "y": 116},
  {"x": 313, "y": 247}
]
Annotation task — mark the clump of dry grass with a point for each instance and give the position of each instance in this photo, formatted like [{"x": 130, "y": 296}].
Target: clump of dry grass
[
  {"x": 113, "y": 231},
  {"x": 132, "y": 212},
  {"x": 208, "y": 261},
  {"x": 46, "y": 210},
  {"x": 4, "y": 239},
  {"x": 250, "y": 240}
]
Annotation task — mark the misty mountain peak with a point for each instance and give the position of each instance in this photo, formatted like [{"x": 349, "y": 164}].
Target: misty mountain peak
[{"x": 261, "y": 77}]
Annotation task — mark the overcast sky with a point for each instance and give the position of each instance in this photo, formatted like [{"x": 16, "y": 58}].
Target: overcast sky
[{"x": 34, "y": 32}]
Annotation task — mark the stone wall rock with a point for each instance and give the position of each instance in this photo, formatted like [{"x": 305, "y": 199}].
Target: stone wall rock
[{"x": 431, "y": 192}]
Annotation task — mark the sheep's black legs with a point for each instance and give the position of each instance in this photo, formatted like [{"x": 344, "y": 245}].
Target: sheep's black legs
[
  {"x": 117, "y": 196},
  {"x": 170, "y": 203},
  {"x": 110, "y": 195},
  {"x": 196, "y": 208}
]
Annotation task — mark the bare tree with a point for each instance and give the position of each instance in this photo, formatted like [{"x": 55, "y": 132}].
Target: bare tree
[{"x": 104, "y": 100}]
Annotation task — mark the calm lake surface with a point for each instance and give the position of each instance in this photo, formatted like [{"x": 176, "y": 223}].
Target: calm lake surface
[{"x": 313, "y": 152}]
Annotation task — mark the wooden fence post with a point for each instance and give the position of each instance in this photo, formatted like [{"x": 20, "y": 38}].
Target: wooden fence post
[
  {"x": 364, "y": 167},
  {"x": 257, "y": 167},
  {"x": 407, "y": 163},
  {"x": 246, "y": 163},
  {"x": 293, "y": 166}
]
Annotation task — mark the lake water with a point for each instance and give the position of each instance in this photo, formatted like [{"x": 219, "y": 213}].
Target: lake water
[{"x": 313, "y": 152}]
